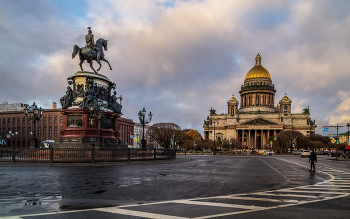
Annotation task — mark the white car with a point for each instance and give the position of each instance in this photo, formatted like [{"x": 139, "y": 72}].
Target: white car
[
  {"x": 267, "y": 152},
  {"x": 305, "y": 153}
]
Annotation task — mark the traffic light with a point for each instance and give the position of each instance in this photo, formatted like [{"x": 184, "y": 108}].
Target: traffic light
[
  {"x": 338, "y": 141},
  {"x": 275, "y": 137}
]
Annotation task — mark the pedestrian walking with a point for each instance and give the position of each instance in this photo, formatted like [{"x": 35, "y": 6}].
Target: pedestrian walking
[
  {"x": 313, "y": 158},
  {"x": 185, "y": 151}
]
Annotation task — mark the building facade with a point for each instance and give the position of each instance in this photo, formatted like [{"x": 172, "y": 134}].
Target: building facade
[
  {"x": 49, "y": 127},
  {"x": 138, "y": 133},
  {"x": 256, "y": 118}
]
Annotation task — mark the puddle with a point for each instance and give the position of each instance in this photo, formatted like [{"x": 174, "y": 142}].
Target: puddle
[{"x": 23, "y": 205}]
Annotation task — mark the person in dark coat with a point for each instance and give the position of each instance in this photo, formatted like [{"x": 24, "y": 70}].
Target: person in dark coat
[{"x": 313, "y": 158}]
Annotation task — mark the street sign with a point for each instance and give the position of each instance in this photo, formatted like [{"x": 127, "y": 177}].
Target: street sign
[
  {"x": 333, "y": 141},
  {"x": 331, "y": 136},
  {"x": 8, "y": 135},
  {"x": 325, "y": 129},
  {"x": 270, "y": 142}
]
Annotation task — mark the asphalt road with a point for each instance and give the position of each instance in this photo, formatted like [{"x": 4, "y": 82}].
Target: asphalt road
[{"x": 199, "y": 186}]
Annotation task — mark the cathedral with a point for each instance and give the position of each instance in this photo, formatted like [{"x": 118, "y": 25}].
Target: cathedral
[{"x": 255, "y": 119}]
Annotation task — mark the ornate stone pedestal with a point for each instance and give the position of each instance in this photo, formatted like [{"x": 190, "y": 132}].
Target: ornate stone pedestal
[{"x": 85, "y": 123}]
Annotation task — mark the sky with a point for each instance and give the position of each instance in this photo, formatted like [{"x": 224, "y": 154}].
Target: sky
[{"x": 180, "y": 58}]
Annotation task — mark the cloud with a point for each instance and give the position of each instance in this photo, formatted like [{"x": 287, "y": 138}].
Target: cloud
[{"x": 179, "y": 58}]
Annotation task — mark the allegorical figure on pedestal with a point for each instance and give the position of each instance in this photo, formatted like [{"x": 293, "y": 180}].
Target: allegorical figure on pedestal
[
  {"x": 91, "y": 51},
  {"x": 67, "y": 100},
  {"x": 114, "y": 105},
  {"x": 90, "y": 98}
]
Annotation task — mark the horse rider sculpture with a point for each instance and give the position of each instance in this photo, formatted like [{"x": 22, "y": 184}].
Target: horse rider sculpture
[{"x": 91, "y": 51}]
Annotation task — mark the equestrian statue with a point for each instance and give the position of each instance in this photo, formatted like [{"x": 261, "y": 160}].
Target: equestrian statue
[{"x": 91, "y": 51}]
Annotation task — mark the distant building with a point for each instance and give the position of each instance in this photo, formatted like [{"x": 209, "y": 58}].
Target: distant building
[
  {"x": 258, "y": 119},
  {"x": 5, "y": 106},
  {"x": 138, "y": 133},
  {"x": 48, "y": 127}
]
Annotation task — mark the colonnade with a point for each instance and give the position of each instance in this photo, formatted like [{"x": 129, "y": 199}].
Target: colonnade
[
  {"x": 258, "y": 139},
  {"x": 258, "y": 99}
]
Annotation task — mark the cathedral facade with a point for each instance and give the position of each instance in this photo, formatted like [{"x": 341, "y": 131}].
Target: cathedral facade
[{"x": 255, "y": 119}]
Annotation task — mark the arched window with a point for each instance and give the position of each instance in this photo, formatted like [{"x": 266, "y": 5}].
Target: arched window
[{"x": 285, "y": 109}]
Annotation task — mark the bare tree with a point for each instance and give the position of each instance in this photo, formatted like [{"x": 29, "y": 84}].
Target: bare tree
[
  {"x": 286, "y": 139},
  {"x": 164, "y": 133}
]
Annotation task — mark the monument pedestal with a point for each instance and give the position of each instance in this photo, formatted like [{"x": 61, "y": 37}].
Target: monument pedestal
[{"x": 80, "y": 106}]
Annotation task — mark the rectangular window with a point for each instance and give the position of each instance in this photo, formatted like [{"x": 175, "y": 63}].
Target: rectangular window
[
  {"x": 50, "y": 119},
  {"x": 23, "y": 120},
  {"x": 39, "y": 132},
  {"x": 61, "y": 119},
  {"x": 56, "y": 131},
  {"x": 24, "y": 131},
  {"x": 56, "y": 119},
  {"x": 61, "y": 127},
  {"x": 13, "y": 121},
  {"x": 45, "y": 119},
  {"x": 50, "y": 132}
]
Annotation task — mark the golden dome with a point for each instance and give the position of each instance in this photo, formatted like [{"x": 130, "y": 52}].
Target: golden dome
[
  {"x": 285, "y": 97},
  {"x": 258, "y": 71},
  {"x": 233, "y": 97}
]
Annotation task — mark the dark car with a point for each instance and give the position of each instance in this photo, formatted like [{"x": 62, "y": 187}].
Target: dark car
[
  {"x": 325, "y": 152},
  {"x": 337, "y": 153},
  {"x": 346, "y": 155}
]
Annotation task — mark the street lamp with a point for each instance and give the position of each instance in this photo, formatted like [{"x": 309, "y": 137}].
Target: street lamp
[
  {"x": 98, "y": 111},
  {"x": 214, "y": 121},
  {"x": 143, "y": 122},
  {"x": 37, "y": 114}
]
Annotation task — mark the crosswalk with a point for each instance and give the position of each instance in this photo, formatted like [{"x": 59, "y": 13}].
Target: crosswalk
[{"x": 337, "y": 185}]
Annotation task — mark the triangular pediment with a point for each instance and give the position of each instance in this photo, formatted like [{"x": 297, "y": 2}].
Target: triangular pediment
[{"x": 259, "y": 121}]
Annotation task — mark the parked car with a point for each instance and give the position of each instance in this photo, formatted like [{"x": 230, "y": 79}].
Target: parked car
[
  {"x": 305, "y": 153},
  {"x": 324, "y": 152},
  {"x": 346, "y": 155},
  {"x": 337, "y": 153},
  {"x": 267, "y": 152},
  {"x": 47, "y": 144},
  {"x": 296, "y": 152}
]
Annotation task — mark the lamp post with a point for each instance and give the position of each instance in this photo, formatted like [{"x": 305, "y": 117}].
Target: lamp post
[
  {"x": 98, "y": 111},
  {"x": 143, "y": 122},
  {"x": 214, "y": 121},
  {"x": 37, "y": 114}
]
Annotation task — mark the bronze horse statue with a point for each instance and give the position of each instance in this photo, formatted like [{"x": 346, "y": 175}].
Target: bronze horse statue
[{"x": 89, "y": 54}]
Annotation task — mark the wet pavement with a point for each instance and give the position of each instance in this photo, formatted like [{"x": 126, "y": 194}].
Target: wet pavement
[{"x": 192, "y": 186}]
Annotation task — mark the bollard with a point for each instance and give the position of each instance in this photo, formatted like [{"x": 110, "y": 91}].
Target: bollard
[
  {"x": 13, "y": 154},
  {"x": 93, "y": 154},
  {"x": 129, "y": 154},
  {"x": 51, "y": 155}
]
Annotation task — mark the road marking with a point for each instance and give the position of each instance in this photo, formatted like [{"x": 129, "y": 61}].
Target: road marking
[
  {"x": 218, "y": 204},
  {"x": 263, "y": 199},
  {"x": 117, "y": 210}
]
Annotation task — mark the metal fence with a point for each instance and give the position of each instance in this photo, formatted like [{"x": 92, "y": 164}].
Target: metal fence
[{"x": 83, "y": 155}]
